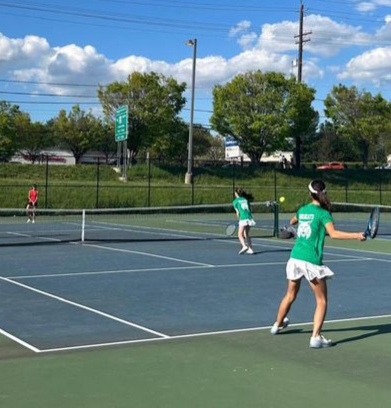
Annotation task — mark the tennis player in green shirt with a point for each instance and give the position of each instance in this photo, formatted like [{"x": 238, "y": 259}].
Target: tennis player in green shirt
[
  {"x": 314, "y": 220},
  {"x": 243, "y": 211}
]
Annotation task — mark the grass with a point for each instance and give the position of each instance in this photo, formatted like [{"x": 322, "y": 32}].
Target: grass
[{"x": 77, "y": 186}]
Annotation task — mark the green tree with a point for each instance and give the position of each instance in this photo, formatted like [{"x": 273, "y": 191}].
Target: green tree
[
  {"x": 10, "y": 115},
  {"x": 75, "y": 131},
  {"x": 153, "y": 101},
  {"x": 363, "y": 118},
  {"x": 103, "y": 139},
  {"x": 33, "y": 137},
  {"x": 328, "y": 145},
  {"x": 174, "y": 143},
  {"x": 262, "y": 111}
]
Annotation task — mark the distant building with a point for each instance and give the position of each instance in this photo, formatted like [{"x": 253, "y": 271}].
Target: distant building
[
  {"x": 234, "y": 153},
  {"x": 62, "y": 157}
]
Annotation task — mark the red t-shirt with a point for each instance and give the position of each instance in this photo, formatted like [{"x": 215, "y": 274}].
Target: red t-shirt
[{"x": 33, "y": 195}]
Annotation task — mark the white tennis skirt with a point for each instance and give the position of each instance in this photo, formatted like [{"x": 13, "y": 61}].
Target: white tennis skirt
[
  {"x": 245, "y": 223},
  {"x": 296, "y": 269}
]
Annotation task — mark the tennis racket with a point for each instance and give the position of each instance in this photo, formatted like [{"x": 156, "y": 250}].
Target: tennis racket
[
  {"x": 373, "y": 224},
  {"x": 231, "y": 229}
]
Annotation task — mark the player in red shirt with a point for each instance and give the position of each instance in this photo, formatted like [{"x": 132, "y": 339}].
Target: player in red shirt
[{"x": 32, "y": 203}]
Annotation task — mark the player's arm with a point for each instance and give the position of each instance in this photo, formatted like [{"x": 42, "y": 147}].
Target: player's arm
[
  {"x": 336, "y": 234},
  {"x": 293, "y": 220}
]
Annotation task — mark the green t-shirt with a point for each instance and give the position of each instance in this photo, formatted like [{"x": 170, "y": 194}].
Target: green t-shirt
[
  {"x": 242, "y": 206},
  {"x": 311, "y": 233}
]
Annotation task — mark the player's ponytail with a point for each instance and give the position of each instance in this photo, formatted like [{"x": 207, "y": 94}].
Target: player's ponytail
[
  {"x": 318, "y": 192},
  {"x": 241, "y": 193}
]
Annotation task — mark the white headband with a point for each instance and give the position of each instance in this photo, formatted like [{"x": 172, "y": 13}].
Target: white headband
[{"x": 313, "y": 191}]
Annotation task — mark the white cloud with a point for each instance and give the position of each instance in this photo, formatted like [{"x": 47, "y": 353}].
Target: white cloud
[
  {"x": 372, "y": 67},
  {"x": 328, "y": 37},
  {"x": 365, "y": 6},
  {"x": 33, "y": 59},
  {"x": 368, "y": 6},
  {"x": 247, "y": 40},
  {"x": 243, "y": 25}
]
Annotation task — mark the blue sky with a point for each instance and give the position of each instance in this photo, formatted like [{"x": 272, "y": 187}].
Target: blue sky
[{"x": 49, "y": 45}]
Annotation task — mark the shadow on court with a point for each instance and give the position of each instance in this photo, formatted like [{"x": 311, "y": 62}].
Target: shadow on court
[{"x": 367, "y": 332}]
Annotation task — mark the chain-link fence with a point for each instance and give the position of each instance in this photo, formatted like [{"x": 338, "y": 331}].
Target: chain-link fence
[{"x": 158, "y": 182}]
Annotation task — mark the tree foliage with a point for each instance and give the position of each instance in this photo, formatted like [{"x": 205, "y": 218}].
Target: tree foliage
[
  {"x": 33, "y": 137},
  {"x": 153, "y": 101},
  {"x": 174, "y": 143},
  {"x": 10, "y": 116},
  {"x": 75, "y": 131},
  {"x": 361, "y": 117},
  {"x": 262, "y": 111}
]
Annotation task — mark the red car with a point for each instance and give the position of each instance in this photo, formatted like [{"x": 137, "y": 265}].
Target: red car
[{"x": 332, "y": 166}]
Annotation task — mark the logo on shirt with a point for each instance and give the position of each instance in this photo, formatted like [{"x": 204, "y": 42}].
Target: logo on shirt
[
  {"x": 304, "y": 230},
  {"x": 244, "y": 205}
]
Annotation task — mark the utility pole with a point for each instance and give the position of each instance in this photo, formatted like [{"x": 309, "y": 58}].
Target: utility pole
[{"x": 301, "y": 40}]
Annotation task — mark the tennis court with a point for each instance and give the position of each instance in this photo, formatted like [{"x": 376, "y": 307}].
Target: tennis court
[{"x": 182, "y": 320}]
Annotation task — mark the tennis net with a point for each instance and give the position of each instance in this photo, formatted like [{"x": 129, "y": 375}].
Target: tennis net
[
  {"x": 130, "y": 224},
  {"x": 354, "y": 217}
]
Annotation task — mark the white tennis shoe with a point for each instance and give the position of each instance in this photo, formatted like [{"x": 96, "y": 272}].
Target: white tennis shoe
[
  {"x": 277, "y": 329},
  {"x": 250, "y": 251},
  {"x": 320, "y": 342},
  {"x": 243, "y": 250}
]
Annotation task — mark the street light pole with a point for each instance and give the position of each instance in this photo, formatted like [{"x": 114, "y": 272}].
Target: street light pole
[{"x": 189, "y": 174}]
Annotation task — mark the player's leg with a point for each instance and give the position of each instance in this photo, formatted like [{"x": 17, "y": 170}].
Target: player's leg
[
  {"x": 242, "y": 239},
  {"x": 33, "y": 213},
  {"x": 248, "y": 239},
  {"x": 28, "y": 212},
  {"x": 319, "y": 288},
  {"x": 287, "y": 300}
]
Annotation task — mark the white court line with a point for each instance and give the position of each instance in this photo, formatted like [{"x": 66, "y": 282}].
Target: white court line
[
  {"x": 79, "y": 305},
  {"x": 19, "y": 341},
  {"x": 32, "y": 236},
  {"x": 173, "y": 268},
  {"x": 330, "y": 246},
  {"x": 146, "y": 254},
  {"x": 204, "y": 334}
]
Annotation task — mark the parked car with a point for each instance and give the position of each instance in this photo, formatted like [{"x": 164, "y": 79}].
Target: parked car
[
  {"x": 386, "y": 166},
  {"x": 333, "y": 166}
]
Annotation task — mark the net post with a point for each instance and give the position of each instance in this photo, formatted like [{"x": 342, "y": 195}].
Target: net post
[
  {"x": 46, "y": 180},
  {"x": 83, "y": 225},
  {"x": 276, "y": 219}
]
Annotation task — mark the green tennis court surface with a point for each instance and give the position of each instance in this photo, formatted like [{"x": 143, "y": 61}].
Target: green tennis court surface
[{"x": 249, "y": 369}]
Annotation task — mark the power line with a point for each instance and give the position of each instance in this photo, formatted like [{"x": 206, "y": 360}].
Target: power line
[{"x": 119, "y": 17}]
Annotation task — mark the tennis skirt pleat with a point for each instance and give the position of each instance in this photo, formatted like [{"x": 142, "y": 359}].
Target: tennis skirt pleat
[{"x": 297, "y": 269}]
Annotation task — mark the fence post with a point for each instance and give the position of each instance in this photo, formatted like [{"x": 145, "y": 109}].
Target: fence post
[
  {"x": 233, "y": 179},
  {"x": 275, "y": 184},
  {"x": 149, "y": 180},
  {"x": 97, "y": 182},
  {"x": 46, "y": 181},
  {"x": 380, "y": 186},
  {"x": 346, "y": 185}
]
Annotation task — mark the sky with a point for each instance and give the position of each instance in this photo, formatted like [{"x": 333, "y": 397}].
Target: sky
[{"x": 54, "y": 54}]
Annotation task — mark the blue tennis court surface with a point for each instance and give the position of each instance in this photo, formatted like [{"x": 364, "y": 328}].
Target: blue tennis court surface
[{"x": 87, "y": 295}]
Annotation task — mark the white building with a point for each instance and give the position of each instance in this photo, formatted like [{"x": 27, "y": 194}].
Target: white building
[{"x": 234, "y": 153}]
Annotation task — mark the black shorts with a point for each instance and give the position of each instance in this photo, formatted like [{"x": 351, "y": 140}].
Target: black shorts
[{"x": 31, "y": 204}]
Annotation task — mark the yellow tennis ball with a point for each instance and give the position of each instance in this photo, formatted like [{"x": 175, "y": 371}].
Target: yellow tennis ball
[{"x": 282, "y": 199}]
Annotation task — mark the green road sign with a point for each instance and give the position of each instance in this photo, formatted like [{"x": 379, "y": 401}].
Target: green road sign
[{"x": 121, "y": 124}]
